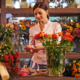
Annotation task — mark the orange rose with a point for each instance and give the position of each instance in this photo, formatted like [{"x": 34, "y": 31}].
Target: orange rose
[{"x": 60, "y": 34}]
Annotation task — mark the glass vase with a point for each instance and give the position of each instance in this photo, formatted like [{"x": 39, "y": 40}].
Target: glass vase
[{"x": 55, "y": 60}]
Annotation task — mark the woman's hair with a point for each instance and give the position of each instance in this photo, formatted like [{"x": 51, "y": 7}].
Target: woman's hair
[{"x": 41, "y": 5}]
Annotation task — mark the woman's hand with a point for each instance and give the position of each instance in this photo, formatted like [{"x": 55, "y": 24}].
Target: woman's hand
[
  {"x": 30, "y": 48},
  {"x": 27, "y": 47}
]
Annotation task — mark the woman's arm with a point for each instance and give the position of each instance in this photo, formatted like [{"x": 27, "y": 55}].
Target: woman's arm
[
  {"x": 40, "y": 47},
  {"x": 31, "y": 41}
]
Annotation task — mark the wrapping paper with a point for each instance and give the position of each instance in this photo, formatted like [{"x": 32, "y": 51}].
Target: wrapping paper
[{"x": 3, "y": 72}]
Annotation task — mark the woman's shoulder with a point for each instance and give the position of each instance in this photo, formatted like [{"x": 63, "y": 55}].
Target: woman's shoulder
[{"x": 56, "y": 23}]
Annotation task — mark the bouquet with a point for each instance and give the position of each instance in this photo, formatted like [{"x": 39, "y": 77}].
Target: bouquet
[
  {"x": 73, "y": 69},
  {"x": 7, "y": 56},
  {"x": 55, "y": 50},
  {"x": 77, "y": 32}
]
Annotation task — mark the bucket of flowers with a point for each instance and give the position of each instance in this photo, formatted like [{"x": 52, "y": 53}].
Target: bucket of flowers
[
  {"x": 72, "y": 69},
  {"x": 55, "y": 50},
  {"x": 8, "y": 58},
  {"x": 76, "y": 45}
]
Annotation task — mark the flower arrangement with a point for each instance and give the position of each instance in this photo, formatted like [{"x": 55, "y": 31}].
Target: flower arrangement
[
  {"x": 67, "y": 27},
  {"x": 5, "y": 34},
  {"x": 12, "y": 63},
  {"x": 7, "y": 55},
  {"x": 24, "y": 24},
  {"x": 73, "y": 69},
  {"x": 74, "y": 29},
  {"x": 55, "y": 50},
  {"x": 77, "y": 32},
  {"x": 71, "y": 26}
]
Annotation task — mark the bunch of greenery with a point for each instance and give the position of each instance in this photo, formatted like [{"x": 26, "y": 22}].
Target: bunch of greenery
[
  {"x": 5, "y": 44},
  {"x": 7, "y": 55},
  {"x": 55, "y": 50}
]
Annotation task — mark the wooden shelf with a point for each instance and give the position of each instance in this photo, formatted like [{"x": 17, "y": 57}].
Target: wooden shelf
[
  {"x": 25, "y": 55},
  {"x": 45, "y": 78},
  {"x": 69, "y": 55},
  {"x": 52, "y": 12},
  {"x": 72, "y": 55},
  {"x": 0, "y": 10},
  {"x": 19, "y": 11},
  {"x": 65, "y": 11}
]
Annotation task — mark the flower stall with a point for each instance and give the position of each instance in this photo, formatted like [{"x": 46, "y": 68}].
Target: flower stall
[
  {"x": 73, "y": 69},
  {"x": 74, "y": 29}
]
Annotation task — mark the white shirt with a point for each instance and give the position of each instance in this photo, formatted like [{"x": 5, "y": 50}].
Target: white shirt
[{"x": 50, "y": 28}]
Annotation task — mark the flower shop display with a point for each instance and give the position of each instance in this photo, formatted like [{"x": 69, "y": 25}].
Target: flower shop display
[
  {"x": 76, "y": 33},
  {"x": 73, "y": 69},
  {"x": 74, "y": 29},
  {"x": 55, "y": 51},
  {"x": 8, "y": 58}
]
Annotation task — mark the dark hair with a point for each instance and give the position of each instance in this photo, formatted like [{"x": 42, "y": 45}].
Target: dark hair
[{"x": 41, "y": 5}]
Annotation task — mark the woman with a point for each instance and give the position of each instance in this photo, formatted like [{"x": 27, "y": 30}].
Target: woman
[{"x": 45, "y": 25}]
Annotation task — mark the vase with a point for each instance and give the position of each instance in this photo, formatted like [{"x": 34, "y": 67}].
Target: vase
[
  {"x": 55, "y": 60},
  {"x": 23, "y": 4},
  {"x": 78, "y": 3}
]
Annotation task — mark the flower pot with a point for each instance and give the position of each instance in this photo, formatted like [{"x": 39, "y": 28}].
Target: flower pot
[{"x": 55, "y": 60}]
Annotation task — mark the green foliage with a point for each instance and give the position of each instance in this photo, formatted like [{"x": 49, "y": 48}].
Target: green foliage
[{"x": 5, "y": 44}]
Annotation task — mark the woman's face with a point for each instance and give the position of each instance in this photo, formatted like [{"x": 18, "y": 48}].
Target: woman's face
[{"x": 40, "y": 14}]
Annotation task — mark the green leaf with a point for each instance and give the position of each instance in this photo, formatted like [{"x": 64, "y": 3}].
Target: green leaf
[
  {"x": 7, "y": 42},
  {"x": 2, "y": 37}
]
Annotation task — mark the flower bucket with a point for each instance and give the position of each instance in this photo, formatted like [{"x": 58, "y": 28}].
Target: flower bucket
[
  {"x": 76, "y": 45},
  {"x": 55, "y": 60}
]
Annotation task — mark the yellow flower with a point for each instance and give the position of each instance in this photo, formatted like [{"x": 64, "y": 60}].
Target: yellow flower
[
  {"x": 65, "y": 25},
  {"x": 74, "y": 61},
  {"x": 23, "y": 27},
  {"x": 79, "y": 70},
  {"x": 68, "y": 26},
  {"x": 77, "y": 25},
  {"x": 71, "y": 28},
  {"x": 27, "y": 6},
  {"x": 21, "y": 23},
  {"x": 31, "y": 6},
  {"x": 42, "y": 34},
  {"x": 76, "y": 75},
  {"x": 68, "y": 29}
]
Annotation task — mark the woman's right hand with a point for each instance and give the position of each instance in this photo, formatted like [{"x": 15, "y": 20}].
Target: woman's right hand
[{"x": 29, "y": 48}]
